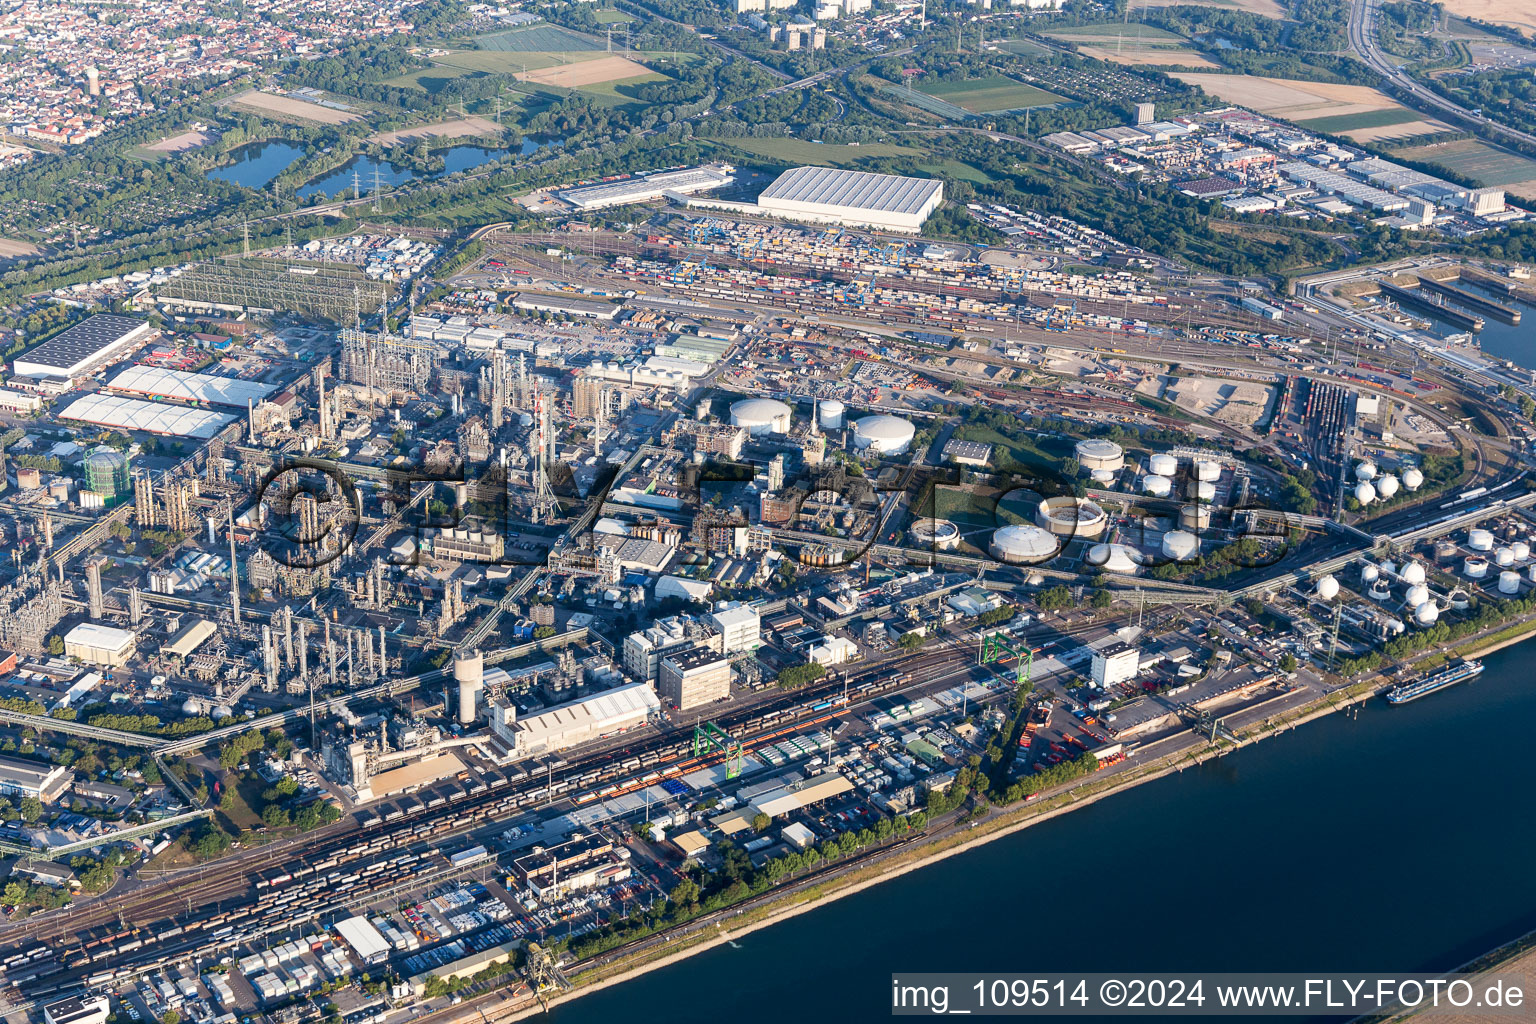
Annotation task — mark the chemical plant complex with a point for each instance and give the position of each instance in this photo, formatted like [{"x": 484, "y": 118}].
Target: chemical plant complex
[{"x": 418, "y": 622}]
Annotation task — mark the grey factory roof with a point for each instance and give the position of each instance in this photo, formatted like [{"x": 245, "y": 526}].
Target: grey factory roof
[
  {"x": 154, "y": 417},
  {"x": 189, "y": 387},
  {"x": 76, "y": 346},
  {"x": 860, "y": 190}
]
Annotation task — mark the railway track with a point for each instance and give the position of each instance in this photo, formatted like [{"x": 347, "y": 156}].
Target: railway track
[{"x": 228, "y": 904}]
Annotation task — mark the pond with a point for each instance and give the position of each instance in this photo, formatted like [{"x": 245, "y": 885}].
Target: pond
[
  {"x": 257, "y": 163},
  {"x": 455, "y": 159}
]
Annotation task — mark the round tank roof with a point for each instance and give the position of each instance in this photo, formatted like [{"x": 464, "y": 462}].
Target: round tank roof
[
  {"x": 1119, "y": 558},
  {"x": 1181, "y": 545},
  {"x": 884, "y": 427},
  {"x": 757, "y": 411},
  {"x": 1023, "y": 544}
]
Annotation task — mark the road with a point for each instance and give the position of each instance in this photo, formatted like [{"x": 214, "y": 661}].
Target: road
[{"x": 1363, "y": 40}]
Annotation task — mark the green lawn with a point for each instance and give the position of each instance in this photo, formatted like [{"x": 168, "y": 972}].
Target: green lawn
[
  {"x": 957, "y": 170},
  {"x": 990, "y": 95},
  {"x": 611, "y": 17}
]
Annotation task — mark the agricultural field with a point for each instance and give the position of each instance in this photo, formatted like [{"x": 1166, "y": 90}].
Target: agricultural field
[
  {"x": 991, "y": 95},
  {"x": 1518, "y": 14},
  {"x": 1134, "y": 45},
  {"x": 538, "y": 38},
  {"x": 287, "y": 108},
  {"x": 1142, "y": 35},
  {"x": 180, "y": 143},
  {"x": 800, "y": 151},
  {"x": 1488, "y": 164},
  {"x": 1021, "y": 47},
  {"x": 596, "y": 72},
  {"x": 15, "y": 248},
  {"x": 455, "y": 64},
  {"x": 458, "y": 128},
  {"x": 1359, "y": 112},
  {"x": 1265, "y": 8}
]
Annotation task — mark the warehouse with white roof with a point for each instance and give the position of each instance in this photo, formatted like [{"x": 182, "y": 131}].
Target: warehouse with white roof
[
  {"x": 180, "y": 386},
  {"x": 365, "y": 940},
  {"x": 829, "y": 195},
  {"x": 151, "y": 417},
  {"x": 647, "y": 187}
]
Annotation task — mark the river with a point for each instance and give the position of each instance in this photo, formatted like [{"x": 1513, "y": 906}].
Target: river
[{"x": 1398, "y": 840}]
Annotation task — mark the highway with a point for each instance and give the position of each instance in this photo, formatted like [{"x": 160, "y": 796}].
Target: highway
[{"x": 1363, "y": 39}]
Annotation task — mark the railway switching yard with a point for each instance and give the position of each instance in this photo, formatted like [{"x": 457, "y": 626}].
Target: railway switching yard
[{"x": 405, "y": 626}]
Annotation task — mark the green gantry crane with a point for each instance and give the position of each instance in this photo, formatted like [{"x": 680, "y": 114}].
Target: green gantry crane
[
  {"x": 709, "y": 736},
  {"x": 996, "y": 647}
]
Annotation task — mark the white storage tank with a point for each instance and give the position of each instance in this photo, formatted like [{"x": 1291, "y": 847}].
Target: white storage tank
[
  {"x": 1369, "y": 573},
  {"x": 1426, "y": 614},
  {"x": 761, "y": 416},
  {"x": 1327, "y": 588},
  {"x": 1158, "y": 486},
  {"x": 1365, "y": 493},
  {"x": 1180, "y": 545},
  {"x": 1023, "y": 545},
  {"x": 1196, "y": 518},
  {"x": 1413, "y": 573},
  {"x": 1479, "y": 539},
  {"x": 1102, "y": 476},
  {"x": 1386, "y": 486},
  {"x": 1163, "y": 464},
  {"x": 1207, "y": 471},
  {"x": 1530, "y": 574},
  {"x": 882, "y": 434},
  {"x": 1509, "y": 582},
  {"x": 1504, "y": 556},
  {"x": 1416, "y": 595},
  {"x": 1365, "y": 471},
  {"x": 831, "y": 414},
  {"x": 1476, "y": 567},
  {"x": 1381, "y": 590},
  {"x": 1413, "y": 479},
  {"x": 1203, "y": 491},
  {"x": 1066, "y": 516},
  {"x": 1095, "y": 453},
  {"x": 1118, "y": 558},
  {"x": 1521, "y": 549}
]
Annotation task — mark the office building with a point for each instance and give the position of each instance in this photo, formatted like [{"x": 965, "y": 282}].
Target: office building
[{"x": 694, "y": 677}]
